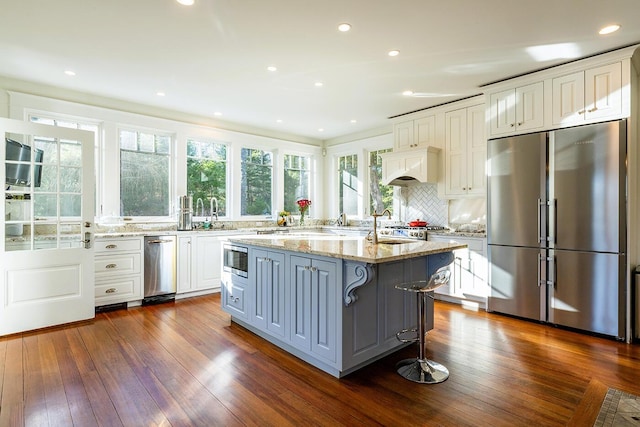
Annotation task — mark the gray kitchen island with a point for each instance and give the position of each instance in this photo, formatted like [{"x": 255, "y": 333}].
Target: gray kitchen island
[{"x": 329, "y": 300}]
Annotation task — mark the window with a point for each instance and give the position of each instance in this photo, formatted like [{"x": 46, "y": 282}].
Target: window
[
  {"x": 296, "y": 181},
  {"x": 256, "y": 171},
  {"x": 381, "y": 196},
  {"x": 348, "y": 182},
  {"x": 207, "y": 174},
  {"x": 145, "y": 160}
]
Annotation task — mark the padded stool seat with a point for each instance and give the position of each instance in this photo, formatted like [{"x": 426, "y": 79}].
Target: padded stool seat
[{"x": 421, "y": 369}]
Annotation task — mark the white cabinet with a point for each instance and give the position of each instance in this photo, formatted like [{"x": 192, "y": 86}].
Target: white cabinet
[
  {"x": 314, "y": 326},
  {"x": 469, "y": 271},
  {"x": 199, "y": 263},
  {"x": 268, "y": 292},
  {"x": 517, "y": 110},
  {"x": 465, "y": 152},
  {"x": 587, "y": 96},
  {"x": 418, "y": 133},
  {"x": 118, "y": 270}
]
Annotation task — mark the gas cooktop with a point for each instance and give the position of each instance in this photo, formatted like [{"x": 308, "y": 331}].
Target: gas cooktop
[{"x": 418, "y": 233}]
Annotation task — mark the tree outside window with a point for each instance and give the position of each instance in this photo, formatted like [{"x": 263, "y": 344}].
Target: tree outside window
[
  {"x": 256, "y": 182},
  {"x": 207, "y": 173},
  {"x": 296, "y": 181},
  {"x": 381, "y": 195},
  {"x": 145, "y": 161},
  {"x": 348, "y": 183}
]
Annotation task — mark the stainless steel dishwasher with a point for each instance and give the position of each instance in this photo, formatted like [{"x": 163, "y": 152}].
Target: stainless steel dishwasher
[{"x": 159, "y": 269}]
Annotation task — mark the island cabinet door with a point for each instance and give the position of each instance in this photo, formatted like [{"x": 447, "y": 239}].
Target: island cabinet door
[
  {"x": 300, "y": 284},
  {"x": 313, "y": 306},
  {"x": 268, "y": 292}
]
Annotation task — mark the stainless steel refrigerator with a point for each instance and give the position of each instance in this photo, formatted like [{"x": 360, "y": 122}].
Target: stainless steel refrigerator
[{"x": 556, "y": 227}]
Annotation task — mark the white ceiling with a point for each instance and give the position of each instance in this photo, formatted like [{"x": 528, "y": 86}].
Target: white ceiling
[{"x": 212, "y": 57}]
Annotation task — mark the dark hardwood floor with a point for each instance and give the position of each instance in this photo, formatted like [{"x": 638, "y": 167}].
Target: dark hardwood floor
[{"x": 183, "y": 364}]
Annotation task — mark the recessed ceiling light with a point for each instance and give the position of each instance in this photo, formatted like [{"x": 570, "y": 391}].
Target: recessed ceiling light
[
  {"x": 272, "y": 68},
  {"x": 186, "y": 2},
  {"x": 393, "y": 53},
  {"x": 354, "y": 121},
  {"x": 217, "y": 113},
  {"x": 344, "y": 27},
  {"x": 320, "y": 130},
  {"x": 160, "y": 93},
  {"x": 70, "y": 73},
  {"x": 279, "y": 121},
  {"x": 318, "y": 84},
  {"x": 609, "y": 29},
  {"x": 407, "y": 93}
]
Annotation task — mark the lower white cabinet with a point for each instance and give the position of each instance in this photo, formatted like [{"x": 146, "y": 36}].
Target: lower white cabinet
[
  {"x": 469, "y": 271},
  {"x": 199, "y": 262},
  {"x": 118, "y": 270}
]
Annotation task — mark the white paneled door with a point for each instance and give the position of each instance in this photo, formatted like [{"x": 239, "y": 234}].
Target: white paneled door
[{"x": 47, "y": 268}]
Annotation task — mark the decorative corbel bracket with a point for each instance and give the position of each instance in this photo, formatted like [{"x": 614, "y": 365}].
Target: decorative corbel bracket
[{"x": 355, "y": 275}]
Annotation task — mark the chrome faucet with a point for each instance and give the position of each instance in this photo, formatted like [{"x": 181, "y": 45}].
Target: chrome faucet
[
  {"x": 201, "y": 203},
  {"x": 213, "y": 208},
  {"x": 375, "y": 215}
]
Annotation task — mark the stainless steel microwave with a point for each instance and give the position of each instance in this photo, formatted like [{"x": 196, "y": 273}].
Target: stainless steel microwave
[{"x": 236, "y": 260}]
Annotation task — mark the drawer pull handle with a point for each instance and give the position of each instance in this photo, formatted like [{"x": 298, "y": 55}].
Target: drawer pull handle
[
  {"x": 111, "y": 246},
  {"x": 111, "y": 266},
  {"x": 111, "y": 291}
]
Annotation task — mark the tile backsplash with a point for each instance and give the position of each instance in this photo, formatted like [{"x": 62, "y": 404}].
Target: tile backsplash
[{"x": 424, "y": 204}]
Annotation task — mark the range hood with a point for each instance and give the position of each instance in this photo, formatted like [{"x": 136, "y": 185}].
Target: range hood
[{"x": 402, "y": 168}]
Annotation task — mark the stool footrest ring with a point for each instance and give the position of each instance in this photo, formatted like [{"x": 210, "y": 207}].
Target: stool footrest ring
[{"x": 406, "y": 331}]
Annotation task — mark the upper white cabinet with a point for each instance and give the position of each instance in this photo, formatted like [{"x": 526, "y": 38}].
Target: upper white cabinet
[
  {"x": 516, "y": 110},
  {"x": 589, "y": 95},
  {"x": 418, "y": 133},
  {"x": 465, "y": 152},
  {"x": 585, "y": 91}
]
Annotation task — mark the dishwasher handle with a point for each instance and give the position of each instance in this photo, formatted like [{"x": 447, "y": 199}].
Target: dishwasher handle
[{"x": 159, "y": 241}]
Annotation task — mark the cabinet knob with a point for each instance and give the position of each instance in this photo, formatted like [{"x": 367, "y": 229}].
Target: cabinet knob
[
  {"x": 111, "y": 246},
  {"x": 110, "y": 266},
  {"x": 512, "y": 125},
  {"x": 581, "y": 112},
  {"x": 111, "y": 291},
  {"x": 593, "y": 109},
  {"x": 519, "y": 123}
]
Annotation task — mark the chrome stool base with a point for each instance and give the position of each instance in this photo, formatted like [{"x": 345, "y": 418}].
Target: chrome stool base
[{"x": 423, "y": 371}]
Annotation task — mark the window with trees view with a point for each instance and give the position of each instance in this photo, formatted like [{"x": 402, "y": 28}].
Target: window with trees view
[
  {"x": 256, "y": 172},
  {"x": 207, "y": 173},
  {"x": 145, "y": 167},
  {"x": 381, "y": 196},
  {"x": 348, "y": 182},
  {"x": 296, "y": 180}
]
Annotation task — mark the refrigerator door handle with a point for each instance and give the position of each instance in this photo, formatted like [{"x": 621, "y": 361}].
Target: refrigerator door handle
[
  {"x": 554, "y": 232},
  {"x": 553, "y": 276},
  {"x": 540, "y": 261},
  {"x": 541, "y": 204}
]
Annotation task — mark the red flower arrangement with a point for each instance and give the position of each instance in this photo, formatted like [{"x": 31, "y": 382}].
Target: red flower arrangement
[{"x": 303, "y": 205}]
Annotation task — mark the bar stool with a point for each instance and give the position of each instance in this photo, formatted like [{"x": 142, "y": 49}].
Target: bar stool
[{"x": 421, "y": 369}]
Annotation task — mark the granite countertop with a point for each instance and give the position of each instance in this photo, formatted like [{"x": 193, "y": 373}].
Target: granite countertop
[{"x": 355, "y": 248}]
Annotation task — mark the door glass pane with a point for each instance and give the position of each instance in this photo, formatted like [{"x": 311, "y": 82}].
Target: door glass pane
[{"x": 43, "y": 193}]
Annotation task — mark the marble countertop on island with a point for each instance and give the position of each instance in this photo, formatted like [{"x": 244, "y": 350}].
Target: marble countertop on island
[{"x": 355, "y": 248}]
